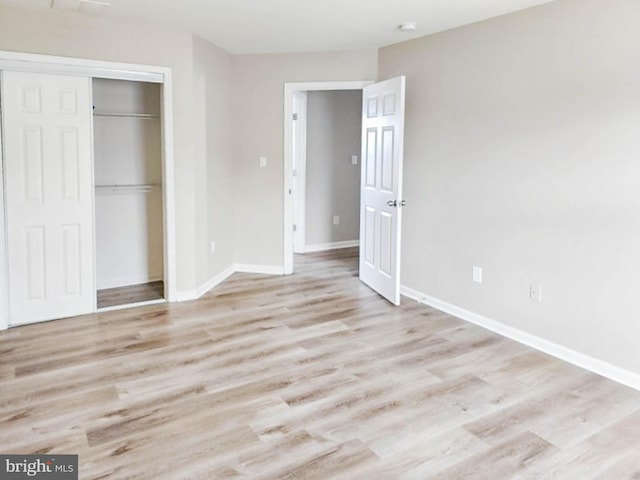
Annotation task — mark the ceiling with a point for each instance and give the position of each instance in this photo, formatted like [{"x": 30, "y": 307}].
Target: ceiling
[{"x": 270, "y": 26}]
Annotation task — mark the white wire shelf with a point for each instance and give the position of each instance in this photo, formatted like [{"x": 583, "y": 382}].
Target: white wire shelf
[
  {"x": 115, "y": 189},
  {"x": 143, "y": 116}
]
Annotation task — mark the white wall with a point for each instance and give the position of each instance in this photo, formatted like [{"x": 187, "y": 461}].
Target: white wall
[
  {"x": 332, "y": 181},
  {"x": 521, "y": 156},
  {"x": 257, "y": 129}
]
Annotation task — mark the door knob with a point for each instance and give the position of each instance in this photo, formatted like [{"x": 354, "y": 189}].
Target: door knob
[{"x": 392, "y": 203}]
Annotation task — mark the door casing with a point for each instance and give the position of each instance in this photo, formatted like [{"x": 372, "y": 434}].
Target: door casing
[
  {"x": 26, "y": 62},
  {"x": 299, "y": 180},
  {"x": 289, "y": 89}
]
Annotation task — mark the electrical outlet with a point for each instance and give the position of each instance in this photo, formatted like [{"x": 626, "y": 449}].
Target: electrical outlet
[
  {"x": 336, "y": 219},
  {"x": 263, "y": 162},
  {"x": 535, "y": 293},
  {"x": 213, "y": 246},
  {"x": 354, "y": 159},
  {"x": 477, "y": 274}
]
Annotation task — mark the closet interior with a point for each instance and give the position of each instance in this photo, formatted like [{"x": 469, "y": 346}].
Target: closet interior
[{"x": 127, "y": 136}]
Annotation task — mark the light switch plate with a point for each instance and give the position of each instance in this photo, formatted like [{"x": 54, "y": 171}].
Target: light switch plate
[
  {"x": 263, "y": 162},
  {"x": 354, "y": 159},
  {"x": 477, "y": 274},
  {"x": 535, "y": 293}
]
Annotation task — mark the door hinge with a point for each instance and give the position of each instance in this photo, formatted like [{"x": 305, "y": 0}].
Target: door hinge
[
  {"x": 295, "y": 227},
  {"x": 295, "y": 116}
]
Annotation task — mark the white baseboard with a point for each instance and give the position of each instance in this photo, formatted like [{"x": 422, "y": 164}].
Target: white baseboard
[
  {"x": 321, "y": 247},
  {"x": 215, "y": 281},
  {"x": 206, "y": 286},
  {"x": 264, "y": 269},
  {"x": 187, "y": 295},
  {"x": 601, "y": 367}
]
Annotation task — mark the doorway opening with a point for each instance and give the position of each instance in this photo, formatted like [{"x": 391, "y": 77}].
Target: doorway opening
[
  {"x": 322, "y": 167},
  {"x": 127, "y": 134}
]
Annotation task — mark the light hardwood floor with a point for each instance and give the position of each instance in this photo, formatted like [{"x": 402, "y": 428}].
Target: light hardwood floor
[
  {"x": 144, "y": 292},
  {"x": 311, "y": 376}
]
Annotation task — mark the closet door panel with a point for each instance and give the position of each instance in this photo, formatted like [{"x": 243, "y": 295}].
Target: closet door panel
[{"x": 49, "y": 199}]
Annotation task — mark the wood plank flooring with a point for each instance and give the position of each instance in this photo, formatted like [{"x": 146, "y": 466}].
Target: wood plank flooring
[
  {"x": 144, "y": 292},
  {"x": 310, "y": 376}
]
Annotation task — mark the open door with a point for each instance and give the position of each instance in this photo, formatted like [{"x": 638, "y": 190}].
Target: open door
[
  {"x": 381, "y": 186},
  {"x": 49, "y": 186}
]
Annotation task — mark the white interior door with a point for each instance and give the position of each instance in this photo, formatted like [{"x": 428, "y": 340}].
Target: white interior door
[
  {"x": 381, "y": 186},
  {"x": 49, "y": 195}
]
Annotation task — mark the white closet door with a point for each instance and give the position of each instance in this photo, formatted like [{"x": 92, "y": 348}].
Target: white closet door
[{"x": 49, "y": 195}]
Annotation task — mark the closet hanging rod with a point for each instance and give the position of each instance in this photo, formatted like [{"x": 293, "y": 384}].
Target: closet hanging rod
[
  {"x": 146, "y": 116},
  {"x": 144, "y": 188}
]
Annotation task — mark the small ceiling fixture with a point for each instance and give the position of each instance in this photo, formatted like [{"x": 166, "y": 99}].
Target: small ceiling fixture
[{"x": 407, "y": 27}]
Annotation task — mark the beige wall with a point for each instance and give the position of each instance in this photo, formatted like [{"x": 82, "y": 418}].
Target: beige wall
[
  {"x": 84, "y": 36},
  {"x": 211, "y": 193},
  {"x": 258, "y": 87},
  {"x": 521, "y": 156},
  {"x": 212, "y": 159},
  {"x": 334, "y": 121}
]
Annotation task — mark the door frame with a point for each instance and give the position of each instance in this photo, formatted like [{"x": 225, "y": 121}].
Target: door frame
[
  {"x": 299, "y": 173},
  {"x": 289, "y": 89},
  {"x": 27, "y": 62}
]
